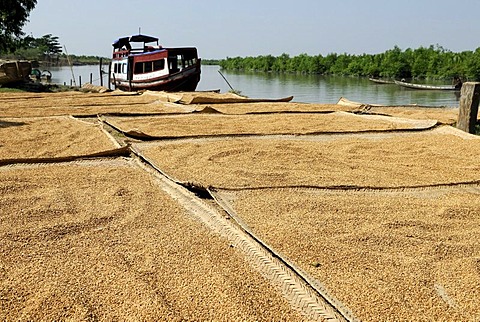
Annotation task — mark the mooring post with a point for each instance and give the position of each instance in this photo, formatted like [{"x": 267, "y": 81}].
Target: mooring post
[
  {"x": 108, "y": 77},
  {"x": 101, "y": 71},
  {"x": 469, "y": 99}
]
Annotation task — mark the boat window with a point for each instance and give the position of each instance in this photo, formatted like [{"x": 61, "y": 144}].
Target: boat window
[
  {"x": 119, "y": 68},
  {"x": 175, "y": 63},
  {"x": 148, "y": 67},
  {"x": 138, "y": 68},
  {"x": 189, "y": 62},
  {"x": 180, "y": 61},
  {"x": 158, "y": 64}
]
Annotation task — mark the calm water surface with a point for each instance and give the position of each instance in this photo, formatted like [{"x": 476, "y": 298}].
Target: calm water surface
[{"x": 304, "y": 88}]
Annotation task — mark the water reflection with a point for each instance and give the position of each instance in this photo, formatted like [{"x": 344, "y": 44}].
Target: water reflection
[
  {"x": 64, "y": 75},
  {"x": 328, "y": 89}
]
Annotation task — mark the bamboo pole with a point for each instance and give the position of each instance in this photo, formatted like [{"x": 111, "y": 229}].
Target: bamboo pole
[
  {"x": 226, "y": 81},
  {"x": 70, "y": 64}
]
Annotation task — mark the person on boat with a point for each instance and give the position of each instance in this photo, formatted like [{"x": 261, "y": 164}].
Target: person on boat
[{"x": 457, "y": 81}]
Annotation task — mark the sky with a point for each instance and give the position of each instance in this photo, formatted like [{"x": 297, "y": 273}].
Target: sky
[{"x": 232, "y": 28}]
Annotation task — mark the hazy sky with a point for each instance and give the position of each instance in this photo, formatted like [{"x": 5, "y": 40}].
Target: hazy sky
[{"x": 232, "y": 28}]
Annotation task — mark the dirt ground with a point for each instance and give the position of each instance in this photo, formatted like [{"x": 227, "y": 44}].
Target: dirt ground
[{"x": 378, "y": 204}]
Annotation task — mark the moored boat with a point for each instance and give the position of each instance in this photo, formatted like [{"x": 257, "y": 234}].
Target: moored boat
[
  {"x": 13, "y": 71},
  {"x": 430, "y": 87},
  {"x": 37, "y": 75},
  {"x": 153, "y": 67},
  {"x": 381, "y": 81}
]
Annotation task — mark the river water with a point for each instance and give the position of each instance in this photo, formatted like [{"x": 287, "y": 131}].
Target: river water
[{"x": 304, "y": 88}]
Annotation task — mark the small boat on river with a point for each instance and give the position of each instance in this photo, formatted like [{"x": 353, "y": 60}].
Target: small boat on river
[
  {"x": 430, "y": 87},
  {"x": 381, "y": 81},
  {"x": 153, "y": 67},
  {"x": 37, "y": 75}
]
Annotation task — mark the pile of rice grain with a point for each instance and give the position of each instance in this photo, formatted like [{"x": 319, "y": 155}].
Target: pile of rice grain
[
  {"x": 441, "y": 156},
  {"x": 101, "y": 241},
  {"x": 387, "y": 255}
]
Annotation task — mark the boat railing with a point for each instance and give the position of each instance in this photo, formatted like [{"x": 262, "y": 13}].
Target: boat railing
[{"x": 118, "y": 54}]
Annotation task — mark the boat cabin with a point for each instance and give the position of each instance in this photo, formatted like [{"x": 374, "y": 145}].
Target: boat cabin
[{"x": 139, "y": 62}]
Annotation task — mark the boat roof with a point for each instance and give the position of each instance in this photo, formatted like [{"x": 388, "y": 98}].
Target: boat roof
[{"x": 125, "y": 41}]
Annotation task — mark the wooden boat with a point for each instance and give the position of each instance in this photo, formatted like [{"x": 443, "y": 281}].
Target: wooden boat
[
  {"x": 381, "y": 81},
  {"x": 346, "y": 102},
  {"x": 429, "y": 87},
  {"x": 14, "y": 71},
  {"x": 37, "y": 75},
  {"x": 153, "y": 67}
]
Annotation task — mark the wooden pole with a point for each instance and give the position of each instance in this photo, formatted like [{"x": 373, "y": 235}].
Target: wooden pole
[
  {"x": 70, "y": 64},
  {"x": 226, "y": 81},
  {"x": 108, "y": 77},
  {"x": 469, "y": 100},
  {"x": 101, "y": 72},
  {"x": 91, "y": 78}
]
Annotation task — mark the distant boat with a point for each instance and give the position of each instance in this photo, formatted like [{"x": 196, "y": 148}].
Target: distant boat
[
  {"x": 37, "y": 75},
  {"x": 381, "y": 81},
  {"x": 14, "y": 71},
  {"x": 153, "y": 67},
  {"x": 429, "y": 87}
]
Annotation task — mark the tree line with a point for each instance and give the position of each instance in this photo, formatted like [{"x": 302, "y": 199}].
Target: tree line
[
  {"x": 433, "y": 62},
  {"x": 45, "y": 48},
  {"x": 47, "y": 51}
]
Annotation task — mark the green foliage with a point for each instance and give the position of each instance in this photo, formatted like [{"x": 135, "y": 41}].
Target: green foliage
[
  {"x": 45, "y": 48},
  {"x": 49, "y": 44},
  {"x": 13, "y": 16},
  {"x": 210, "y": 61},
  {"x": 424, "y": 62},
  {"x": 48, "y": 51},
  {"x": 11, "y": 90},
  {"x": 82, "y": 60}
]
